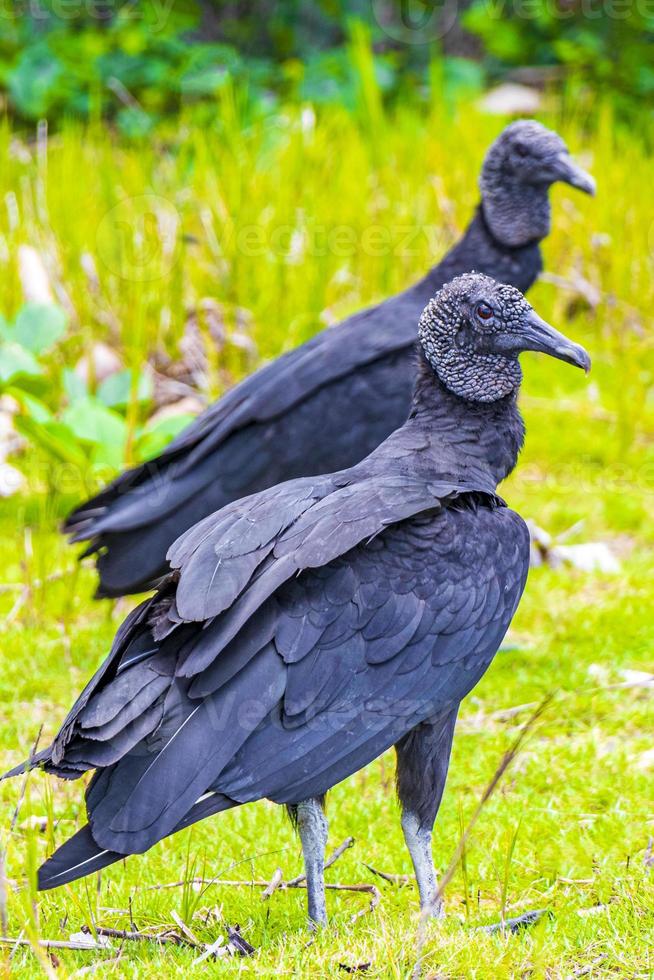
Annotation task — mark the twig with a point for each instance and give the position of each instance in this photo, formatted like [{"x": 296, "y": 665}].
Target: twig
[
  {"x": 273, "y": 885},
  {"x": 52, "y": 944},
  {"x": 216, "y": 949},
  {"x": 340, "y": 850},
  {"x": 23, "y": 788},
  {"x": 391, "y": 878},
  {"x": 517, "y": 924},
  {"x": 238, "y": 942},
  {"x": 370, "y": 889},
  {"x": 212, "y": 881},
  {"x": 648, "y": 860},
  {"x": 508, "y": 757},
  {"x": 3, "y": 892},
  {"x": 284, "y": 885},
  {"x": 235, "y": 944},
  {"x": 190, "y": 935},
  {"x": 18, "y": 605},
  {"x": 217, "y": 880},
  {"x": 125, "y": 934}
]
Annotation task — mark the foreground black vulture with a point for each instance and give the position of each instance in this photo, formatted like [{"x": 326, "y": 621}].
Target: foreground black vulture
[
  {"x": 351, "y": 383},
  {"x": 306, "y": 629}
]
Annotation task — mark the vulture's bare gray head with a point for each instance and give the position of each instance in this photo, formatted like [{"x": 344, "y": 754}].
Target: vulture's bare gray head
[
  {"x": 519, "y": 168},
  {"x": 473, "y": 331}
]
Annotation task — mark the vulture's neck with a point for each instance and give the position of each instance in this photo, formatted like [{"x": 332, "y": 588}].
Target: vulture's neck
[
  {"x": 469, "y": 441},
  {"x": 480, "y": 250}
]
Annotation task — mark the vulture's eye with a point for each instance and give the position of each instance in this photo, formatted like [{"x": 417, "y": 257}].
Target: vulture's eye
[
  {"x": 521, "y": 149},
  {"x": 484, "y": 312}
]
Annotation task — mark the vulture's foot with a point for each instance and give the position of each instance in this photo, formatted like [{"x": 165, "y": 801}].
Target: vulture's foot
[
  {"x": 434, "y": 910},
  {"x": 418, "y": 842}
]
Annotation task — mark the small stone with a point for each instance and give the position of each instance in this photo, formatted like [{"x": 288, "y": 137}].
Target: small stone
[{"x": 511, "y": 99}]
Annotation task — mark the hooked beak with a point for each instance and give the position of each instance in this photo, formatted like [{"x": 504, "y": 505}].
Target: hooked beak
[
  {"x": 568, "y": 172},
  {"x": 536, "y": 334}
]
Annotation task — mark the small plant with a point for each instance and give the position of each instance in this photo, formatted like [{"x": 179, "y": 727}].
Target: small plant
[{"x": 67, "y": 417}]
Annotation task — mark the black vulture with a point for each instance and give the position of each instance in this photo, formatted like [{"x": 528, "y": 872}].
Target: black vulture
[
  {"x": 306, "y": 629},
  {"x": 351, "y": 384}
]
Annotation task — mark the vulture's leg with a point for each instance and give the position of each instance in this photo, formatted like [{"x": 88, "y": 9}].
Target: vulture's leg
[
  {"x": 312, "y": 827},
  {"x": 423, "y": 758}
]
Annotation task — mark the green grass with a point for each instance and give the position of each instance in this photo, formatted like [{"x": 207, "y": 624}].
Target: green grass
[{"x": 569, "y": 826}]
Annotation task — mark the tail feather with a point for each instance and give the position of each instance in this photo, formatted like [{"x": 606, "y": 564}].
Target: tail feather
[
  {"x": 25, "y": 766},
  {"x": 81, "y": 855}
]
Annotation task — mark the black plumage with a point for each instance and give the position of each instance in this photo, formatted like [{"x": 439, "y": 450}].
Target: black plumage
[
  {"x": 327, "y": 404},
  {"x": 306, "y": 629}
]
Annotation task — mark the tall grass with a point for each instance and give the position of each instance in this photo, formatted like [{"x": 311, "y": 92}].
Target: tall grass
[{"x": 300, "y": 216}]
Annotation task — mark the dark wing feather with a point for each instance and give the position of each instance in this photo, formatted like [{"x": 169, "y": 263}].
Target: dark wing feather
[
  {"x": 145, "y": 795},
  {"x": 81, "y": 855},
  {"x": 234, "y": 574},
  {"x": 342, "y": 706}
]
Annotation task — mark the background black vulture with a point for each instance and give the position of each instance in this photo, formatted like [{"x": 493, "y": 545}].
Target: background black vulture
[
  {"x": 308, "y": 628},
  {"x": 352, "y": 383}
]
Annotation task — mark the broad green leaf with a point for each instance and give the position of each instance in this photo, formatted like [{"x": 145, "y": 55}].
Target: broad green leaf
[
  {"x": 16, "y": 361},
  {"x": 74, "y": 386},
  {"x": 37, "y": 410},
  {"x": 153, "y": 439},
  {"x": 93, "y": 422},
  {"x": 54, "y": 437},
  {"x": 109, "y": 456},
  {"x": 38, "y": 326},
  {"x": 115, "y": 391}
]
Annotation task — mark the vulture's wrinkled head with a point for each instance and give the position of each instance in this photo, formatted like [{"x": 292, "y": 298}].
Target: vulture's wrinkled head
[
  {"x": 473, "y": 331},
  {"x": 519, "y": 168}
]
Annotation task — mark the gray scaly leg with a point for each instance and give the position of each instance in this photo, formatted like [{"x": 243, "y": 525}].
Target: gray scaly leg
[
  {"x": 312, "y": 827},
  {"x": 418, "y": 842},
  {"x": 423, "y": 758}
]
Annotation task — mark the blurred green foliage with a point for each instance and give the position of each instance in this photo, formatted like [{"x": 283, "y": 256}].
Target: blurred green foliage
[
  {"x": 136, "y": 62},
  {"x": 607, "y": 43},
  {"x": 71, "y": 419}
]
